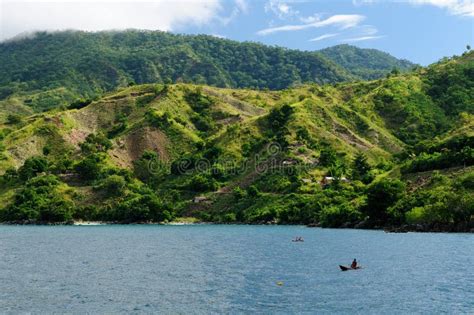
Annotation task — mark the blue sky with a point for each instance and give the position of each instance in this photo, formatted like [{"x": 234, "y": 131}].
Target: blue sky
[{"x": 422, "y": 31}]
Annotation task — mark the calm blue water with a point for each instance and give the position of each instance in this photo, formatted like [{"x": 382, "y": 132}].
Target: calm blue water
[{"x": 231, "y": 269}]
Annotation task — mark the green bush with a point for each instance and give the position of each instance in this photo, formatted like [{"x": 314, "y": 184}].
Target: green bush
[
  {"x": 117, "y": 129},
  {"x": 337, "y": 215},
  {"x": 39, "y": 200},
  {"x": 238, "y": 193},
  {"x": 252, "y": 191},
  {"x": 150, "y": 169},
  {"x": 439, "y": 160},
  {"x": 381, "y": 195},
  {"x": 442, "y": 204},
  {"x": 466, "y": 181},
  {"x": 159, "y": 120},
  {"x": 113, "y": 185},
  {"x": 202, "y": 183},
  {"x": 198, "y": 102},
  {"x": 32, "y": 167},
  {"x": 327, "y": 157},
  {"x": 361, "y": 169},
  {"x": 79, "y": 103},
  {"x": 142, "y": 208},
  {"x": 13, "y": 119},
  {"x": 95, "y": 143},
  {"x": 90, "y": 168}
]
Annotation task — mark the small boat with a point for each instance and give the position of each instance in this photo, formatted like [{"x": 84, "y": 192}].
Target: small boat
[{"x": 345, "y": 268}]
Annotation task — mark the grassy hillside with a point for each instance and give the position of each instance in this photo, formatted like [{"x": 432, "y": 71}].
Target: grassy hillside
[
  {"x": 56, "y": 68},
  {"x": 397, "y": 150}
]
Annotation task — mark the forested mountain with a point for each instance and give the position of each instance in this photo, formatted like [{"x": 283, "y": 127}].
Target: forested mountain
[
  {"x": 393, "y": 151},
  {"x": 60, "y": 67},
  {"x": 368, "y": 64}
]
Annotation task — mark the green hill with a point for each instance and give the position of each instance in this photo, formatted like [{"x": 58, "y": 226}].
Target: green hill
[
  {"x": 393, "y": 151},
  {"x": 56, "y": 68},
  {"x": 367, "y": 64}
]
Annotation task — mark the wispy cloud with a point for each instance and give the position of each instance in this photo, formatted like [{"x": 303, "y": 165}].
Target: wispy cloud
[
  {"x": 240, "y": 6},
  {"x": 311, "y": 19},
  {"x": 324, "y": 36},
  {"x": 362, "y": 33},
  {"x": 366, "y": 30},
  {"x": 361, "y": 38},
  {"x": 455, "y": 7},
  {"x": 341, "y": 21},
  {"x": 363, "y": 2}
]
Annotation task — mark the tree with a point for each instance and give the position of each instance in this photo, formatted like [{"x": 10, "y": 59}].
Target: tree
[
  {"x": 13, "y": 119},
  {"x": 32, "y": 167},
  {"x": 381, "y": 195},
  {"x": 468, "y": 47},
  {"x": 202, "y": 183},
  {"x": 40, "y": 200},
  {"x": 90, "y": 168},
  {"x": 142, "y": 208},
  {"x": 149, "y": 168},
  {"x": 327, "y": 157},
  {"x": 361, "y": 168},
  {"x": 395, "y": 71},
  {"x": 252, "y": 191},
  {"x": 114, "y": 185},
  {"x": 10, "y": 175},
  {"x": 279, "y": 118},
  {"x": 79, "y": 103},
  {"x": 96, "y": 143}
]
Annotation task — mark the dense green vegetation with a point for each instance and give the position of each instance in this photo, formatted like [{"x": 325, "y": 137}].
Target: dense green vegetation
[
  {"x": 397, "y": 151},
  {"x": 368, "y": 64},
  {"x": 70, "y": 68}
]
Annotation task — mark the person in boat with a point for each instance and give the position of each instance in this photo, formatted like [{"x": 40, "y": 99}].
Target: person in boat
[{"x": 354, "y": 264}]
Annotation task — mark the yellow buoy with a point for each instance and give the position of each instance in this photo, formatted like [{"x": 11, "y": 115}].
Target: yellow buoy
[{"x": 280, "y": 283}]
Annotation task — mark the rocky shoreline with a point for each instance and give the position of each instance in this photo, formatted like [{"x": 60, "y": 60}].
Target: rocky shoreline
[{"x": 462, "y": 227}]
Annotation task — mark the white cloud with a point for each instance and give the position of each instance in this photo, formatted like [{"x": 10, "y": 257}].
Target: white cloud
[
  {"x": 363, "y": 2},
  {"x": 341, "y": 21},
  {"x": 240, "y": 6},
  {"x": 310, "y": 19},
  {"x": 17, "y": 16},
  {"x": 362, "y": 33},
  {"x": 281, "y": 8},
  {"x": 361, "y": 38},
  {"x": 455, "y": 7},
  {"x": 219, "y": 36},
  {"x": 366, "y": 30},
  {"x": 324, "y": 36}
]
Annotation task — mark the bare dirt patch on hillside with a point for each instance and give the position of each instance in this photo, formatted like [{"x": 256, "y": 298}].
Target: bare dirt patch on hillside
[{"x": 131, "y": 147}]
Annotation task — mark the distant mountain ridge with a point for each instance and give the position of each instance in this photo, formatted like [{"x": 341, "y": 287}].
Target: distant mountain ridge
[
  {"x": 367, "y": 64},
  {"x": 74, "y": 64}
]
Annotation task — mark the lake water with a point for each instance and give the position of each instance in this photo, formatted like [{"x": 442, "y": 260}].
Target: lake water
[{"x": 231, "y": 269}]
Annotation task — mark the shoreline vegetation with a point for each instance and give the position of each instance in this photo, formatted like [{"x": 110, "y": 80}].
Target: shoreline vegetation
[
  {"x": 362, "y": 225},
  {"x": 227, "y": 138}
]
